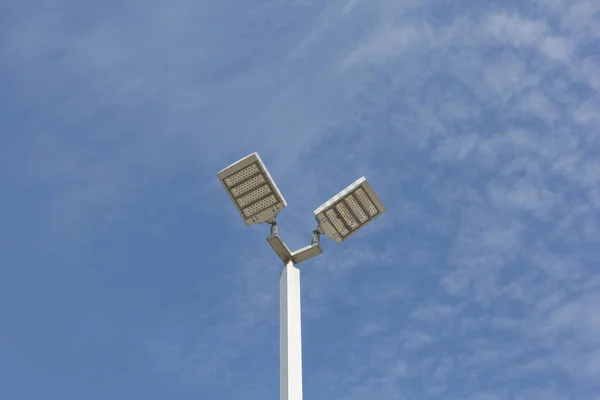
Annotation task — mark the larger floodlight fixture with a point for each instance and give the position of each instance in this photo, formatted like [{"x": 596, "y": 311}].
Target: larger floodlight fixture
[
  {"x": 258, "y": 200},
  {"x": 252, "y": 190},
  {"x": 349, "y": 210}
]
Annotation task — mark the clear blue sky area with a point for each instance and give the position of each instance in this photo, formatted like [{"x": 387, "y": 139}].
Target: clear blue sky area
[{"x": 127, "y": 274}]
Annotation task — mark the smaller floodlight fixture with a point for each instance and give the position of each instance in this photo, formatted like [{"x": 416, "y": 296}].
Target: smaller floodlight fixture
[
  {"x": 348, "y": 211},
  {"x": 252, "y": 190}
]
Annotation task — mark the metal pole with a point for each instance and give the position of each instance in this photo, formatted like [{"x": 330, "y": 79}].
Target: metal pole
[{"x": 290, "y": 334}]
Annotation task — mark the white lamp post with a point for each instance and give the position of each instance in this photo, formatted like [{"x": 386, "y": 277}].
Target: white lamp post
[{"x": 258, "y": 200}]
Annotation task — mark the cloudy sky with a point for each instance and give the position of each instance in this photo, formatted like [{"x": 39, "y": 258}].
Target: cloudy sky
[{"x": 126, "y": 272}]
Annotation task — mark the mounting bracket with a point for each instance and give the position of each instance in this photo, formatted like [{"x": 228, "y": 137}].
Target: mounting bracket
[{"x": 283, "y": 251}]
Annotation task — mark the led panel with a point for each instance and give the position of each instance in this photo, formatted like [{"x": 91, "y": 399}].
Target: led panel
[
  {"x": 252, "y": 190},
  {"x": 348, "y": 211},
  {"x": 254, "y": 196}
]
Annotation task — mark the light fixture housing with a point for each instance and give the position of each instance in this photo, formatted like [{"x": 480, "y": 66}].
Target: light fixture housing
[
  {"x": 252, "y": 190},
  {"x": 348, "y": 211}
]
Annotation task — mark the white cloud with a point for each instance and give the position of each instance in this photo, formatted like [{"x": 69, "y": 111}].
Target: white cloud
[
  {"x": 415, "y": 340},
  {"x": 515, "y": 29},
  {"x": 434, "y": 313}
]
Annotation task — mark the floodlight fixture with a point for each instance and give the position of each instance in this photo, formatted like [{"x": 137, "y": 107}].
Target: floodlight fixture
[
  {"x": 349, "y": 210},
  {"x": 258, "y": 200},
  {"x": 253, "y": 191}
]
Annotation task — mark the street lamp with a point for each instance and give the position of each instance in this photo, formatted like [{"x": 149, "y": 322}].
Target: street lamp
[{"x": 258, "y": 200}]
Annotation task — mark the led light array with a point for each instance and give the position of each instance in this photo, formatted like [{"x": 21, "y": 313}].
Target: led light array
[
  {"x": 350, "y": 210},
  {"x": 252, "y": 190},
  {"x": 346, "y": 221}
]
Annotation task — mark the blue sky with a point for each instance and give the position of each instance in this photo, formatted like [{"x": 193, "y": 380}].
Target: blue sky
[{"x": 126, "y": 272}]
